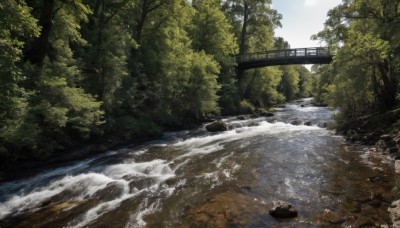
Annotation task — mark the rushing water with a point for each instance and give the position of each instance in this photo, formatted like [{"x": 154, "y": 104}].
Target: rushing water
[{"x": 226, "y": 179}]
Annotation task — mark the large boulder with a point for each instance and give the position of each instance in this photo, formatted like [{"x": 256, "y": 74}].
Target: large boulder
[
  {"x": 217, "y": 126},
  {"x": 283, "y": 210}
]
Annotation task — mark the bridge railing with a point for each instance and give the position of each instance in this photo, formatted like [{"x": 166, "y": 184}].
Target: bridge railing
[{"x": 275, "y": 54}]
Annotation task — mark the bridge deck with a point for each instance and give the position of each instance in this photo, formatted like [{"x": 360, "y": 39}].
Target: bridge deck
[{"x": 316, "y": 55}]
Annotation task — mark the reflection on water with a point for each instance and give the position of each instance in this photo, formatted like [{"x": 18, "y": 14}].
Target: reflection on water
[{"x": 195, "y": 178}]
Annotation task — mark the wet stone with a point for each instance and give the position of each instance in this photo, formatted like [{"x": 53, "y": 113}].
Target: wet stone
[
  {"x": 308, "y": 123},
  {"x": 216, "y": 126},
  {"x": 364, "y": 222},
  {"x": 296, "y": 122},
  {"x": 393, "y": 150},
  {"x": 227, "y": 209},
  {"x": 385, "y": 137},
  {"x": 332, "y": 218},
  {"x": 368, "y": 210},
  {"x": 111, "y": 192},
  {"x": 266, "y": 114},
  {"x": 375, "y": 203},
  {"x": 283, "y": 210}
]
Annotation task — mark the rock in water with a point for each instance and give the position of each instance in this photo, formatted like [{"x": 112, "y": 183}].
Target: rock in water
[
  {"x": 216, "y": 126},
  {"x": 266, "y": 114},
  {"x": 308, "y": 123},
  {"x": 296, "y": 122},
  {"x": 283, "y": 210}
]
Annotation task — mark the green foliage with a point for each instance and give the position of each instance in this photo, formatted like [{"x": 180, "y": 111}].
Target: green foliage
[
  {"x": 365, "y": 75},
  {"x": 289, "y": 85},
  {"x": 212, "y": 33},
  {"x": 305, "y": 83},
  {"x": 16, "y": 25},
  {"x": 77, "y": 71},
  {"x": 245, "y": 107},
  {"x": 261, "y": 87},
  {"x": 211, "y": 30}
]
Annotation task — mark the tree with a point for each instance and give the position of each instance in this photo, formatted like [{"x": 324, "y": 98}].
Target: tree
[
  {"x": 365, "y": 35},
  {"x": 289, "y": 85},
  {"x": 16, "y": 26},
  {"x": 254, "y": 23},
  {"x": 211, "y": 32}
]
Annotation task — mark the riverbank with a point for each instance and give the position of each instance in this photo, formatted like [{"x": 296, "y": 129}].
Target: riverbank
[{"x": 383, "y": 132}]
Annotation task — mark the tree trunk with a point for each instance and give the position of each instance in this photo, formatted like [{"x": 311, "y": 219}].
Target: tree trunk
[
  {"x": 39, "y": 48},
  {"x": 388, "y": 98}
]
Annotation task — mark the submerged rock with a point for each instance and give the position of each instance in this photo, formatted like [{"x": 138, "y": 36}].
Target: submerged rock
[
  {"x": 331, "y": 217},
  {"x": 217, "y": 126},
  {"x": 227, "y": 209},
  {"x": 283, "y": 210}
]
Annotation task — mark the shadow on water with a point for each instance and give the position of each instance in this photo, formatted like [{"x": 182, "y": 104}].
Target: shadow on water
[{"x": 227, "y": 179}]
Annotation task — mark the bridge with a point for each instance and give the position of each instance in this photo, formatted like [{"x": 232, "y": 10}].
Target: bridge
[{"x": 314, "y": 55}]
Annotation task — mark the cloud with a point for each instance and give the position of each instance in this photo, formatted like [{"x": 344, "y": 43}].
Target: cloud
[{"x": 310, "y": 2}]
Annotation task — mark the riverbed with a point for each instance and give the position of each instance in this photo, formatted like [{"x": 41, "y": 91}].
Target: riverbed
[{"x": 226, "y": 179}]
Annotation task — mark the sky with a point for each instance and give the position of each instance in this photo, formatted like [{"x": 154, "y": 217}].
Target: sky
[{"x": 302, "y": 19}]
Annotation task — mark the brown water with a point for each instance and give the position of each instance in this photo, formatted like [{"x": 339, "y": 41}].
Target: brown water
[{"x": 228, "y": 179}]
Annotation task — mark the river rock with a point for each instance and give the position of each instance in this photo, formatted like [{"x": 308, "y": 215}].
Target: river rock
[
  {"x": 283, "y": 210},
  {"x": 323, "y": 125},
  {"x": 386, "y": 138},
  {"x": 308, "y": 123},
  {"x": 296, "y": 122},
  {"x": 266, "y": 114},
  {"x": 254, "y": 116},
  {"x": 332, "y": 217},
  {"x": 217, "y": 126},
  {"x": 393, "y": 150},
  {"x": 397, "y": 167},
  {"x": 394, "y": 212},
  {"x": 241, "y": 117},
  {"x": 352, "y": 135}
]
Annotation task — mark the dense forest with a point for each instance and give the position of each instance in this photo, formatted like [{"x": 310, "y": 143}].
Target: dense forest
[
  {"x": 75, "y": 72},
  {"x": 363, "y": 80}
]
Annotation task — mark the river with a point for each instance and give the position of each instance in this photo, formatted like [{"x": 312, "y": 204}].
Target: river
[{"x": 226, "y": 179}]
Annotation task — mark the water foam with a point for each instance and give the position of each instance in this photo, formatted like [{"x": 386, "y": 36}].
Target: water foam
[
  {"x": 83, "y": 186},
  {"x": 101, "y": 209},
  {"x": 156, "y": 168},
  {"x": 79, "y": 187},
  {"x": 136, "y": 220},
  {"x": 215, "y": 142}
]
